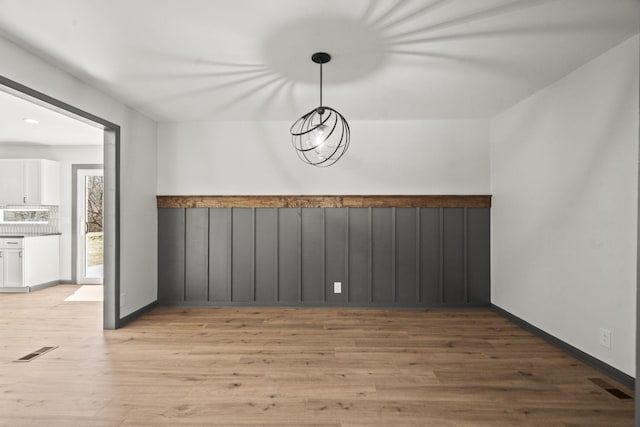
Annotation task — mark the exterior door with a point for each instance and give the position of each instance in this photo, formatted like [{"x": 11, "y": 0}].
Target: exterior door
[{"x": 90, "y": 205}]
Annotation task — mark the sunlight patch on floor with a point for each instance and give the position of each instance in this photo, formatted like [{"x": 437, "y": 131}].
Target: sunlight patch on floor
[{"x": 87, "y": 293}]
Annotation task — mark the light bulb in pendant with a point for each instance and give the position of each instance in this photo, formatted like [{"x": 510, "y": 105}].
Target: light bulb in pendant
[{"x": 318, "y": 136}]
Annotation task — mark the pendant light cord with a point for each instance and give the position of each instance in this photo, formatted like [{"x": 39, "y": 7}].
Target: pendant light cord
[{"x": 321, "y": 85}]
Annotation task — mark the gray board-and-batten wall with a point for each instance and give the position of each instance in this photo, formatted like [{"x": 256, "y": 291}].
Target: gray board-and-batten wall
[{"x": 387, "y": 251}]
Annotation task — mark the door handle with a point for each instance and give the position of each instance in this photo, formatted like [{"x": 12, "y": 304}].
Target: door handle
[{"x": 20, "y": 254}]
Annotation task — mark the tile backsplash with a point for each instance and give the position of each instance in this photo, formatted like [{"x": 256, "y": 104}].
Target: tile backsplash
[{"x": 53, "y": 226}]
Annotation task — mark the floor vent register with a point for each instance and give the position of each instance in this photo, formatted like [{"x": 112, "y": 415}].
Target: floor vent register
[
  {"x": 610, "y": 388},
  {"x": 29, "y": 357}
]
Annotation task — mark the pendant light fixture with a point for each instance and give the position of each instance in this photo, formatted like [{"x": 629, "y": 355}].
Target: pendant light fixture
[{"x": 321, "y": 136}]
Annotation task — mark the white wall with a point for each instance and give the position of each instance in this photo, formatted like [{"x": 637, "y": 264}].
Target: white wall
[
  {"x": 66, "y": 155},
  {"x": 388, "y": 157},
  {"x": 138, "y": 218},
  {"x": 564, "y": 168}
]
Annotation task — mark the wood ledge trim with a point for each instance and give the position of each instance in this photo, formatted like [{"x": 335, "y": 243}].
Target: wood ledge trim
[{"x": 368, "y": 201}]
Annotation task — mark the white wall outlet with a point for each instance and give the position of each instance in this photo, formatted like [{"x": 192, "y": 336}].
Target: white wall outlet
[
  {"x": 337, "y": 287},
  {"x": 605, "y": 338}
]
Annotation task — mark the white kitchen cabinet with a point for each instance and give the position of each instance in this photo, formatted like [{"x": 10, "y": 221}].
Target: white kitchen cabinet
[
  {"x": 29, "y": 182},
  {"x": 41, "y": 260},
  {"x": 12, "y": 260},
  {"x": 29, "y": 261},
  {"x": 13, "y": 268},
  {"x": 11, "y": 182},
  {"x": 42, "y": 182}
]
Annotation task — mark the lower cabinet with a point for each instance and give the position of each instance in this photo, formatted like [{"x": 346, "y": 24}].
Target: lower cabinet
[
  {"x": 11, "y": 262},
  {"x": 41, "y": 260},
  {"x": 29, "y": 261},
  {"x": 14, "y": 268}
]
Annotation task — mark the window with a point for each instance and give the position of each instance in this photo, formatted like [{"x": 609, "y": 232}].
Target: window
[{"x": 24, "y": 216}]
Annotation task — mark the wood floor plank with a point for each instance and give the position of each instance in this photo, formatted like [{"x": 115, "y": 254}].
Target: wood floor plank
[{"x": 320, "y": 367}]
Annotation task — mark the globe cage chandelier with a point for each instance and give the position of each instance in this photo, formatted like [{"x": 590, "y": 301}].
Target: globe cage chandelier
[{"x": 321, "y": 137}]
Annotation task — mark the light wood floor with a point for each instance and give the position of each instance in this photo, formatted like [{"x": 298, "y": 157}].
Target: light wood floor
[{"x": 287, "y": 367}]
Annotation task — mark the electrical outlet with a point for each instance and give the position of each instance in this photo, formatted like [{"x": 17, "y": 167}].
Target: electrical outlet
[
  {"x": 605, "y": 338},
  {"x": 337, "y": 287}
]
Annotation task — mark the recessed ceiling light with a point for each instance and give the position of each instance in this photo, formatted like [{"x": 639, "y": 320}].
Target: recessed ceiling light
[{"x": 31, "y": 121}]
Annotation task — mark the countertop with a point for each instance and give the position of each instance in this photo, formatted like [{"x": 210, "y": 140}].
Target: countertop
[{"x": 21, "y": 235}]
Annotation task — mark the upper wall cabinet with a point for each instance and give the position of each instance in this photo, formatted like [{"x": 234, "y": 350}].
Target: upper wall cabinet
[{"x": 29, "y": 182}]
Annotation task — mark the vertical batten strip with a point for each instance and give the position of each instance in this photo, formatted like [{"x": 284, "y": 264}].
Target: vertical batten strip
[
  {"x": 465, "y": 253},
  {"x": 208, "y": 254},
  {"x": 184, "y": 261},
  {"x": 346, "y": 255},
  {"x": 253, "y": 254},
  {"x": 277, "y": 255},
  {"x": 230, "y": 257},
  {"x": 418, "y": 239},
  {"x": 441, "y": 270},
  {"x": 324, "y": 254},
  {"x": 393, "y": 255},
  {"x": 370, "y": 254},
  {"x": 300, "y": 255}
]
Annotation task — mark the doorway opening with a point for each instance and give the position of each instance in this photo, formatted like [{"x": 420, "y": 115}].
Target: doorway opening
[{"x": 111, "y": 181}]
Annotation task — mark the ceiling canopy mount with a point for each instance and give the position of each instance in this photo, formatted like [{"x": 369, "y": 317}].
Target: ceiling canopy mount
[{"x": 321, "y": 57}]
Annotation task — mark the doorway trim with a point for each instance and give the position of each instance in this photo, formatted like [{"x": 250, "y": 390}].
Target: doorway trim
[
  {"x": 111, "y": 305},
  {"x": 74, "y": 214}
]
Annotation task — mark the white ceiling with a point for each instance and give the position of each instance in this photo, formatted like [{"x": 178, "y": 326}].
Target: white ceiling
[
  {"x": 178, "y": 60},
  {"x": 53, "y": 128}
]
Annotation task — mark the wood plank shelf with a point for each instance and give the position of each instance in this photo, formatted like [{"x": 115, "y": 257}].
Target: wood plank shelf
[{"x": 342, "y": 201}]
